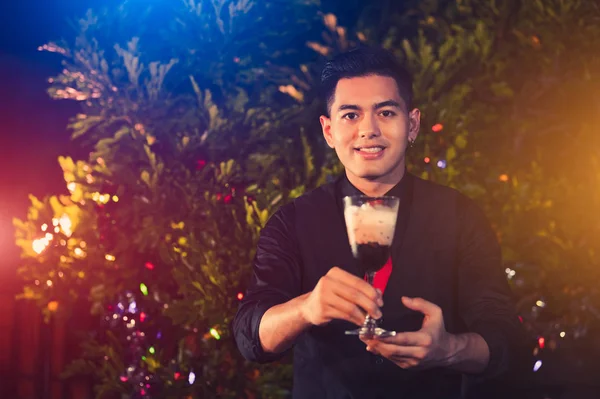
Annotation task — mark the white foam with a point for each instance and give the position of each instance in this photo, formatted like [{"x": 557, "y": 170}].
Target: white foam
[{"x": 370, "y": 224}]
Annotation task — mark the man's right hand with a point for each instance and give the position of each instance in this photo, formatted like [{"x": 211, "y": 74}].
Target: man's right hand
[{"x": 343, "y": 296}]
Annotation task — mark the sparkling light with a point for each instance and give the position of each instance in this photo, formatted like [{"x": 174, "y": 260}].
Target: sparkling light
[
  {"x": 503, "y": 177},
  {"x": 151, "y": 350},
  {"x": 40, "y": 245},
  {"x": 427, "y": 160},
  {"x": 240, "y": 296},
  {"x": 44, "y": 227},
  {"x": 66, "y": 224},
  {"x": 110, "y": 258},
  {"x": 144, "y": 289},
  {"x": 537, "y": 366},
  {"x": 192, "y": 377},
  {"x": 132, "y": 307},
  {"x": 53, "y": 306},
  {"x": 78, "y": 251},
  {"x": 541, "y": 342},
  {"x": 441, "y": 164},
  {"x": 215, "y": 334},
  {"x": 438, "y": 127},
  {"x": 562, "y": 334},
  {"x": 540, "y": 303}
]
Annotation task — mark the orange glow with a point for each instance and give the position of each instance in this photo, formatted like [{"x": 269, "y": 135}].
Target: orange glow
[
  {"x": 503, "y": 178},
  {"x": 427, "y": 160},
  {"x": 53, "y": 306},
  {"x": 438, "y": 127}
]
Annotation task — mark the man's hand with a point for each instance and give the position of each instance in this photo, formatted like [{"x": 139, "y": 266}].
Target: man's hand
[
  {"x": 431, "y": 346},
  {"x": 341, "y": 295}
]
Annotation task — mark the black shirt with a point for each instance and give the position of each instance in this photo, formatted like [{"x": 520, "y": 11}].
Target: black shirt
[{"x": 443, "y": 251}]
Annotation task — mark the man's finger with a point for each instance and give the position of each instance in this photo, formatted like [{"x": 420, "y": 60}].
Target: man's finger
[
  {"x": 345, "y": 310},
  {"x": 395, "y": 352},
  {"x": 421, "y": 305},
  {"x": 417, "y": 338},
  {"x": 359, "y": 284},
  {"x": 357, "y": 297}
]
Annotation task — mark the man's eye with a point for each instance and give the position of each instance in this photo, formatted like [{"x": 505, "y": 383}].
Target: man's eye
[
  {"x": 350, "y": 116},
  {"x": 387, "y": 113}
]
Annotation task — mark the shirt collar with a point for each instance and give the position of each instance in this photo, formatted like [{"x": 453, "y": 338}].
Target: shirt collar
[{"x": 399, "y": 190}]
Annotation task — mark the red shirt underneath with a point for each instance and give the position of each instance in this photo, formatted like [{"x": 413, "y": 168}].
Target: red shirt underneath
[{"x": 382, "y": 276}]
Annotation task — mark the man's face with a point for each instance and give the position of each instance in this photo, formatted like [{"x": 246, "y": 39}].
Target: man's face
[{"x": 369, "y": 127}]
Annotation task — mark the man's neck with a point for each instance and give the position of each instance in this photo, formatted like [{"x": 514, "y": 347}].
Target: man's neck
[{"x": 377, "y": 187}]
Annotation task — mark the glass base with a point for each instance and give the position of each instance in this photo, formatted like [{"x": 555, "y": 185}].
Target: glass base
[
  {"x": 369, "y": 329},
  {"x": 370, "y": 332}
]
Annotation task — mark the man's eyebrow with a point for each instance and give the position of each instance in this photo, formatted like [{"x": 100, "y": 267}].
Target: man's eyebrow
[
  {"x": 388, "y": 103},
  {"x": 353, "y": 107}
]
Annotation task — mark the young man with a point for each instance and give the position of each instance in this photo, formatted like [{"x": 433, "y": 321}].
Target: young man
[{"x": 444, "y": 290}]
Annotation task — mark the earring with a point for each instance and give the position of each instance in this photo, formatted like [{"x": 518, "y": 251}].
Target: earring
[{"x": 411, "y": 143}]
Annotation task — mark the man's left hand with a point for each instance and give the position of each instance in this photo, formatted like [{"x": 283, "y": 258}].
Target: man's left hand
[{"x": 431, "y": 346}]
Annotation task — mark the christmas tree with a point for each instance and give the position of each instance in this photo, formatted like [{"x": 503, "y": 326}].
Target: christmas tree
[{"x": 201, "y": 124}]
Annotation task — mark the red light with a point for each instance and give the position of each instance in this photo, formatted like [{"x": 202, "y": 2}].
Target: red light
[
  {"x": 149, "y": 266},
  {"x": 142, "y": 317},
  {"x": 541, "y": 342},
  {"x": 520, "y": 319},
  {"x": 177, "y": 375},
  {"x": 427, "y": 160},
  {"x": 240, "y": 296},
  {"x": 437, "y": 127}
]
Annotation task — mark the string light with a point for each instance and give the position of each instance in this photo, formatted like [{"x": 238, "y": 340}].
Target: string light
[
  {"x": 427, "y": 160},
  {"x": 541, "y": 303},
  {"x": 149, "y": 266},
  {"x": 144, "y": 289},
  {"x": 438, "y": 127},
  {"x": 541, "y": 342},
  {"x": 192, "y": 377},
  {"x": 240, "y": 296},
  {"x": 53, "y": 306},
  {"x": 562, "y": 334},
  {"x": 215, "y": 334},
  {"x": 537, "y": 366},
  {"x": 110, "y": 258},
  {"x": 503, "y": 178}
]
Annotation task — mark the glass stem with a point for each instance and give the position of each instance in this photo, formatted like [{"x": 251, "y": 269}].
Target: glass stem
[{"x": 370, "y": 323}]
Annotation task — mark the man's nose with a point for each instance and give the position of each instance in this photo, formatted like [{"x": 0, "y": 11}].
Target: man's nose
[{"x": 368, "y": 127}]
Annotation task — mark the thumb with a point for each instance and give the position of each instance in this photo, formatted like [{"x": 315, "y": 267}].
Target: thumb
[{"x": 421, "y": 305}]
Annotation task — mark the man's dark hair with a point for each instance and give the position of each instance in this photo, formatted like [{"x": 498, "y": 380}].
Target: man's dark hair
[{"x": 364, "y": 61}]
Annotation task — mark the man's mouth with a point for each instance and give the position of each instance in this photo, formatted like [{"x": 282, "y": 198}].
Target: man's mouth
[{"x": 370, "y": 149}]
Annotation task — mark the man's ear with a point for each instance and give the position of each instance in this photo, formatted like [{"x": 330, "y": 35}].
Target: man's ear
[
  {"x": 414, "y": 124},
  {"x": 326, "y": 127}
]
